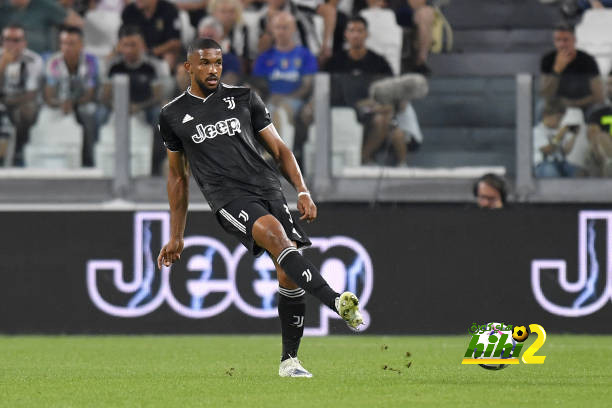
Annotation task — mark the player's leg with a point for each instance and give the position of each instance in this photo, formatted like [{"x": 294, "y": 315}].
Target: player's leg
[
  {"x": 291, "y": 311},
  {"x": 270, "y": 234}
]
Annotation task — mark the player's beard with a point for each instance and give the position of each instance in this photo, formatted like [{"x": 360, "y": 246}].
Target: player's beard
[{"x": 206, "y": 90}]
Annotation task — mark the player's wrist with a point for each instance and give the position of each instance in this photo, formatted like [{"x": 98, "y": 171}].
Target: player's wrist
[{"x": 301, "y": 193}]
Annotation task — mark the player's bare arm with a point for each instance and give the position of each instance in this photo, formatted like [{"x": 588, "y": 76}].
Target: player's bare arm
[
  {"x": 178, "y": 197},
  {"x": 283, "y": 155}
]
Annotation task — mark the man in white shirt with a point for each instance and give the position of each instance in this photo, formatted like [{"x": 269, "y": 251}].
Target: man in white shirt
[{"x": 20, "y": 78}]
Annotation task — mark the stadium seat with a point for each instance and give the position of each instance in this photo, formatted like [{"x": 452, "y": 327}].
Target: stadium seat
[
  {"x": 594, "y": 35},
  {"x": 503, "y": 14},
  {"x": 100, "y": 32},
  {"x": 141, "y": 145},
  {"x": 56, "y": 141},
  {"x": 385, "y": 35},
  {"x": 346, "y": 136}
]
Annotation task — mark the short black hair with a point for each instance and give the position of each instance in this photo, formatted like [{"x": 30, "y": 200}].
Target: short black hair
[
  {"x": 357, "y": 19},
  {"x": 128, "y": 30},
  {"x": 202, "y": 44},
  {"x": 13, "y": 26},
  {"x": 564, "y": 26},
  {"x": 495, "y": 182},
  {"x": 71, "y": 30}
]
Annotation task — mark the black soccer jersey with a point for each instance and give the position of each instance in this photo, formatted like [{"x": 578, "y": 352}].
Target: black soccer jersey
[{"x": 218, "y": 136}]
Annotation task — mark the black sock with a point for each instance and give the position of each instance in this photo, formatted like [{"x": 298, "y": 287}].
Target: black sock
[
  {"x": 291, "y": 310},
  {"x": 306, "y": 276}
]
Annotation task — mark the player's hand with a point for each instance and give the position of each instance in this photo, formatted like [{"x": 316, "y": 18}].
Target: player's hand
[
  {"x": 307, "y": 208},
  {"x": 170, "y": 253}
]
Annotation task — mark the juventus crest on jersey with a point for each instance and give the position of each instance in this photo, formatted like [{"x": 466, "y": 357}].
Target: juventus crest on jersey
[{"x": 219, "y": 135}]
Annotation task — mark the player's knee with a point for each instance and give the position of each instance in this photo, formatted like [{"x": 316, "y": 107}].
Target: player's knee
[{"x": 269, "y": 234}]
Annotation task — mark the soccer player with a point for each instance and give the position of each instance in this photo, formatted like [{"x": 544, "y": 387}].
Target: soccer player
[{"x": 216, "y": 128}]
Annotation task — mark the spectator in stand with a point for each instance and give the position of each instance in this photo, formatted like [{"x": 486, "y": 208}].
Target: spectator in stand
[
  {"x": 146, "y": 84},
  {"x": 600, "y": 136},
  {"x": 554, "y": 140},
  {"x": 38, "y": 17},
  {"x": 333, "y": 23},
  {"x": 288, "y": 70},
  {"x": 235, "y": 32},
  {"x": 570, "y": 74},
  {"x": 490, "y": 192},
  {"x": 72, "y": 80},
  {"x": 305, "y": 34},
  {"x": 210, "y": 27},
  {"x": 21, "y": 72},
  {"x": 420, "y": 16},
  {"x": 159, "y": 22},
  {"x": 353, "y": 72},
  {"x": 195, "y": 8}
]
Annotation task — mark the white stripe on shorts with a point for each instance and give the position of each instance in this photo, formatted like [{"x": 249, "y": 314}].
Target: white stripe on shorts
[{"x": 234, "y": 221}]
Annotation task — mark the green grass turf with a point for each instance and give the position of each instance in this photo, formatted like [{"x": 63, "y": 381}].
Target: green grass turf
[{"x": 241, "y": 371}]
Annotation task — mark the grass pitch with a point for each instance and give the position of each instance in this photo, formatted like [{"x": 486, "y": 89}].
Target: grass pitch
[{"x": 242, "y": 371}]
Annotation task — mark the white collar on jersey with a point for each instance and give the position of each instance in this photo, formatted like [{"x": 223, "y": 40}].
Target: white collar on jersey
[{"x": 199, "y": 97}]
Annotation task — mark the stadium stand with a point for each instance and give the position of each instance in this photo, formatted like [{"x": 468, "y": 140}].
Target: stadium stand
[{"x": 500, "y": 40}]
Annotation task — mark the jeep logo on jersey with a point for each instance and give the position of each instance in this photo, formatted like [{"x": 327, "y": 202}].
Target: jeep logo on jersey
[{"x": 229, "y": 126}]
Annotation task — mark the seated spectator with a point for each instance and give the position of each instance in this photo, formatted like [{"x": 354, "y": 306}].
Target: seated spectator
[
  {"x": 490, "y": 192},
  {"x": 570, "y": 74},
  {"x": 20, "y": 78},
  {"x": 288, "y": 70},
  {"x": 353, "y": 72},
  {"x": 600, "y": 136},
  {"x": 146, "y": 87},
  {"x": 195, "y": 8},
  {"x": 159, "y": 22},
  {"x": 38, "y": 17},
  {"x": 304, "y": 36},
  {"x": 384, "y": 34},
  {"x": 235, "y": 32},
  {"x": 333, "y": 24},
  {"x": 232, "y": 68},
  {"x": 72, "y": 77},
  {"x": 554, "y": 138},
  {"x": 420, "y": 16}
]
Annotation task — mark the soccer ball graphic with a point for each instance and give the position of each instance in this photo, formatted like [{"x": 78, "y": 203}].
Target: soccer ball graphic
[
  {"x": 484, "y": 338},
  {"x": 520, "y": 333}
]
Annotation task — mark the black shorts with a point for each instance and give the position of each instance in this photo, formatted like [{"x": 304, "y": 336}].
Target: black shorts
[{"x": 238, "y": 218}]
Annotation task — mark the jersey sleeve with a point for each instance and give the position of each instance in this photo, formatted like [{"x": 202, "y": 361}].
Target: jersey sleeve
[
  {"x": 260, "y": 116},
  {"x": 171, "y": 140}
]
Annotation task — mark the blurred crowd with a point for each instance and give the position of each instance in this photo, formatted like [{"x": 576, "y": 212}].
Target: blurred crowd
[{"x": 58, "y": 58}]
